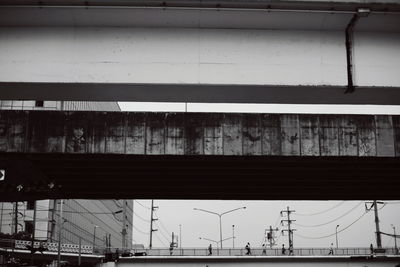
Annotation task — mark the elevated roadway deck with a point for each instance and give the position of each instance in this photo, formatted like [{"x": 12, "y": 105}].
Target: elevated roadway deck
[{"x": 198, "y": 156}]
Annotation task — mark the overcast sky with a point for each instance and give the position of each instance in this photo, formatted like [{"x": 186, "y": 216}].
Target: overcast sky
[{"x": 315, "y": 220}]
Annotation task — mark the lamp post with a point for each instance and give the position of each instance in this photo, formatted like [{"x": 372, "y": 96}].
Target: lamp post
[
  {"x": 216, "y": 242},
  {"x": 60, "y": 226},
  {"x": 180, "y": 236},
  {"x": 395, "y": 239},
  {"x": 94, "y": 236},
  {"x": 233, "y": 236},
  {"x": 337, "y": 244},
  {"x": 220, "y": 219}
]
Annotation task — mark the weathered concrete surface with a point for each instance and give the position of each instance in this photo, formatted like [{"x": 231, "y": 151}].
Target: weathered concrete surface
[
  {"x": 118, "y": 155},
  {"x": 199, "y": 134}
]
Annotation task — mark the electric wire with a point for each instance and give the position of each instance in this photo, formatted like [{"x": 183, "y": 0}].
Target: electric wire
[
  {"x": 161, "y": 224},
  {"x": 143, "y": 219},
  {"x": 330, "y": 235},
  {"x": 165, "y": 238},
  {"x": 331, "y": 221},
  {"x": 142, "y": 205},
  {"x": 162, "y": 242},
  {"x": 163, "y": 235},
  {"x": 140, "y": 231},
  {"x": 320, "y": 212}
]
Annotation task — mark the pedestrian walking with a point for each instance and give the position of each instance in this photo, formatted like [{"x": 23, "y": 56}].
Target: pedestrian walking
[
  {"x": 331, "y": 249},
  {"x": 290, "y": 250},
  {"x": 248, "y": 249},
  {"x": 264, "y": 249},
  {"x": 283, "y": 249},
  {"x": 210, "y": 250}
]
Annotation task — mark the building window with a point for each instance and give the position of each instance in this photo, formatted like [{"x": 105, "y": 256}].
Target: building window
[
  {"x": 30, "y": 205},
  {"x": 39, "y": 104}
]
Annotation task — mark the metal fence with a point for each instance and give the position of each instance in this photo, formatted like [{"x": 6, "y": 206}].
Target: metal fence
[
  {"x": 261, "y": 252},
  {"x": 73, "y": 248},
  {"x": 24, "y": 244}
]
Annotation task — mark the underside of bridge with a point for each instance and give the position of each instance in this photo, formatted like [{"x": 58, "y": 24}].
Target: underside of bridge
[
  {"x": 120, "y": 155},
  {"x": 199, "y": 177}
]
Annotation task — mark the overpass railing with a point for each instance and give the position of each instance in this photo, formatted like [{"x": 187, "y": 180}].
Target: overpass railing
[
  {"x": 261, "y": 252},
  {"x": 47, "y": 246},
  {"x": 72, "y": 248}
]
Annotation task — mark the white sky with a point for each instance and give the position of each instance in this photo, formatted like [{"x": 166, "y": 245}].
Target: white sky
[
  {"x": 314, "y": 219},
  {"x": 251, "y": 222}
]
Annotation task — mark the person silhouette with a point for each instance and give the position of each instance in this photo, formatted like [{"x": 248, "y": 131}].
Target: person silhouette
[
  {"x": 331, "y": 249},
  {"x": 248, "y": 249}
]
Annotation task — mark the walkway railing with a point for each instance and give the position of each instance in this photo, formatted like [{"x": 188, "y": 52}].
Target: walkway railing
[
  {"x": 73, "y": 248},
  {"x": 260, "y": 252},
  {"x": 48, "y": 246}
]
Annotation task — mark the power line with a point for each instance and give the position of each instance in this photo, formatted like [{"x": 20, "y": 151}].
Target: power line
[
  {"x": 143, "y": 219},
  {"x": 394, "y": 202},
  {"x": 161, "y": 241},
  {"x": 140, "y": 231},
  {"x": 142, "y": 205},
  {"x": 320, "y": 212},
  {"x": 330, "y": 235},
  {"x": 162, "y": 225},
  {"x": 163, "y": 235},
  {"x": 322, "y": 224},
  {"x": 277, "y": 221}
]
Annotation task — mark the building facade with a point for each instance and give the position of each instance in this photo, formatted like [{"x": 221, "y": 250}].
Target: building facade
[{"x": 101, "y": 223}]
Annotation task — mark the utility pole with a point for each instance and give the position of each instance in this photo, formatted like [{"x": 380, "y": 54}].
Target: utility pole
[
  {"x": 124, "y": 231},
  {"x": 152, "y": 219},
  {"x": 374, "y": 205},
  {"x": 60, "y": 226},
  {"x": 289, "y": 229},
  {"x": 270, "y": 236},
  {"x": 1, "y": 215},
  {"x": 16, "y": 218},
  {"x": 396, "y": 251}
]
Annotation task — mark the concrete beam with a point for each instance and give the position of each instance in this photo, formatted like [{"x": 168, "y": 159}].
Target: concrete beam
[
  {"x": 199, "y": 134},
  {"x": 384, "y": 5},
  {"x": 101, "y": 155},
  {"x": 197, "y": 93}
]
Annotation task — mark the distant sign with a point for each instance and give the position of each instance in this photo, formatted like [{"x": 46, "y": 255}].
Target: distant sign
[{"x": 2, "y": 175}]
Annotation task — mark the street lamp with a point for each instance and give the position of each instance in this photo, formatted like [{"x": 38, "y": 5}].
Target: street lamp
[
  {"x": 94, "y": 236},
  {"x": 216, "y": 242},
  {"x": 220, "y": 218},
  {"x": 337, "y": 244},
  {"x": 60, "y": 226},
  {"x": 233, "y": 236},
  {"x": 395, "y": 240},
  {"x": 180, "y": 236}
]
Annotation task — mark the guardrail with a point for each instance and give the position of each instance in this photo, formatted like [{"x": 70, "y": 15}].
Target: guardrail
[
  {"x": 48, "y": 246},
  {"x": 85, "y": 249},
  {"x": 261, "y": 252}
]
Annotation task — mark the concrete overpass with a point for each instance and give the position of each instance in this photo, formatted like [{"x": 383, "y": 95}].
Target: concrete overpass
[
  {"x": 236, "y": 51},
  {"x": 345, "y": 261},
  {"x": 198, "y": 156}
]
